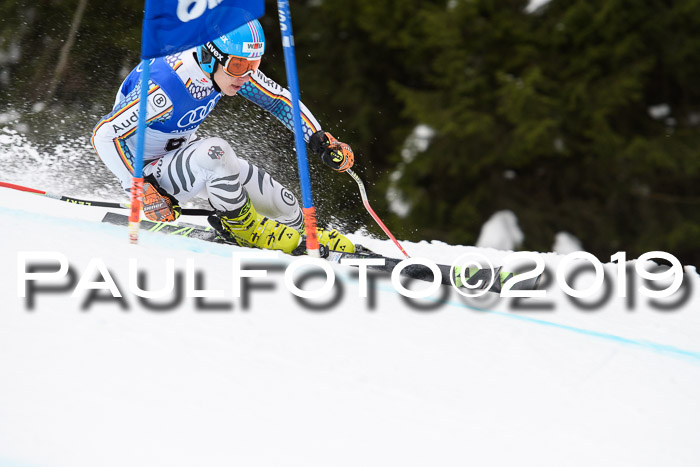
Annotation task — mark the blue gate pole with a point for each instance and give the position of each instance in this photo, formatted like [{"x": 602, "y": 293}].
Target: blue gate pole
[
  {"x": 137, "y": 180},
  {"x": 302, "y": 161}
]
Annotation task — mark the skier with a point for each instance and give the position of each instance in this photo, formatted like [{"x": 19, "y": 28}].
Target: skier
[{"x": 250, "y": 206}]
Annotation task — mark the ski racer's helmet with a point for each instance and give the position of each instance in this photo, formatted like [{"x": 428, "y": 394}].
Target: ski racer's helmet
[{"x": 238, "y": 52}]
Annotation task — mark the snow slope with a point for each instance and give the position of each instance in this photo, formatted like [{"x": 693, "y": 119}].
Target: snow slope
[{"x": 279, "y": 384}]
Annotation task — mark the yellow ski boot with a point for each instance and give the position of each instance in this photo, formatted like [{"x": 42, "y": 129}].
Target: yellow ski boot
[
  {"x": 248, "y": 228},
  {"x": 335, "y": 241},
  {"x": 332, "y": 239}
]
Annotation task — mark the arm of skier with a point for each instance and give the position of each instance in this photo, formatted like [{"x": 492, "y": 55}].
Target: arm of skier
[
  {"x": 277, "y": 100},
  {"x": 110, "y": 135}
]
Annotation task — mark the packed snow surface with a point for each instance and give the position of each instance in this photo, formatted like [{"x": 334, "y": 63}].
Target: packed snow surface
[{"x": 88, "y": 380}]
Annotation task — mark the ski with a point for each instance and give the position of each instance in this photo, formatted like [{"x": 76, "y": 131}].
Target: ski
[
  {"x": 424, "y": 273},
  {"x": 181, "y": 229},
  {"x": 496, "y": 277}
]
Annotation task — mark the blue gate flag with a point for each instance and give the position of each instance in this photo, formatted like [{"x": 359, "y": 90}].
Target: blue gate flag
[{"x": 170, "y": 26}]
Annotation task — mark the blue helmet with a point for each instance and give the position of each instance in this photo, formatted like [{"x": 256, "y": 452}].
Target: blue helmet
[{"x": 247, "y": 41}]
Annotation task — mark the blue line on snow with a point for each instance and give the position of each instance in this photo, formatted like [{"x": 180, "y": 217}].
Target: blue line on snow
[
  {"x": 196, "y": 246},
  {"x": 4, "y": 462},
  {"x": 646, "y": 345}
]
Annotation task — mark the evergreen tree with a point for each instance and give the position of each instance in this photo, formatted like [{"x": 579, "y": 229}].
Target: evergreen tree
[
  {"x": 582, "y": 116},
  {"x": 559, "y": 103}
]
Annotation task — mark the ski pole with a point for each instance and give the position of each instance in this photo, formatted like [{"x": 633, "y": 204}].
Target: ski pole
[
  {"x": 100, "y": 204},
  {"x": 365, "y": 201}
]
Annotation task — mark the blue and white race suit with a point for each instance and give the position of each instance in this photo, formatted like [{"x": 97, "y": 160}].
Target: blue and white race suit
[{"x": 180, "y": 97}]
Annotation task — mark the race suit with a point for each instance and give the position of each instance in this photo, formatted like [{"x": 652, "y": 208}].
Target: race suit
[{"x": 180, "y": 97}]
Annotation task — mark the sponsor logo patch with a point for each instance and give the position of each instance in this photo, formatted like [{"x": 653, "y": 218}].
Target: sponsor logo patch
[
  {"x": 288, "y": 197},
  {"x": 159, "y": 100},
  {"x": 215, "y": 152},
  {"x": 195, "y": 116},
  {"x": 250, "y": 47},
  {"x": 157, "y": 103},
  {"x": 125, "y": 122}
]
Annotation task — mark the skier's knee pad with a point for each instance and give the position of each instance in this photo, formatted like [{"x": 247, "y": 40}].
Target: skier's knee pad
[
  {"x": 285, "y": 202},
  {"x": 216, "y": 155},
  {"x": 283, "y": 206}
]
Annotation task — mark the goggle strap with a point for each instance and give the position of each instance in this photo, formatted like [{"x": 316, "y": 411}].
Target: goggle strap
[{"x": 216, "y": 52}]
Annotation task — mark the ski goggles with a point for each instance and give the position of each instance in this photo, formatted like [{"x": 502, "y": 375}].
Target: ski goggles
[{"x": 239, "y": 67}]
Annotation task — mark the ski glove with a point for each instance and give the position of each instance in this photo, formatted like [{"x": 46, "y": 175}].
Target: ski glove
[
  {"x": 158, "y": 204},
  {"x": 336, "y": 155}
]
